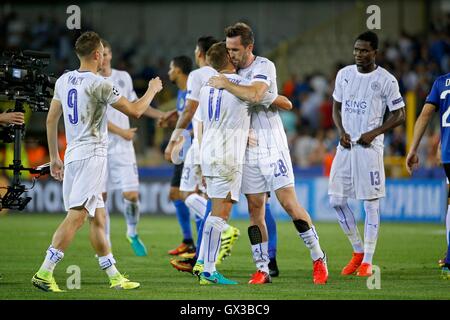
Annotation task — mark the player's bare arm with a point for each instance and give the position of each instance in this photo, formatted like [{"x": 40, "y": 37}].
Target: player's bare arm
[
  {"x": 56, "y": 165},
  {"x": 153, "y": 113},
  {"x": 136, "y": 109},
  {"x": 127, "y": 134},
  {"x": 282, "y": 103},
  {"x": 412, "y": 159},
  {"x": 252, "y": 93},
  {"x": 396, "y": 118},
  {"x": 345, "y": 139},
  {"x": 182, "y": 123}
]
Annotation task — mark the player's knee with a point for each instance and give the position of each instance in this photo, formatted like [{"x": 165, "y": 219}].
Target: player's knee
[
  {"x": 338, "y": 202},
  {"x": 174, "y": 194},
  {"x": 289, "y": 205},
  {"x": 255, "y": 203},
  {"x": 132, "y": 196},
  {"x": 184, "y": 195},
  {"x": 372, "y": 206}
]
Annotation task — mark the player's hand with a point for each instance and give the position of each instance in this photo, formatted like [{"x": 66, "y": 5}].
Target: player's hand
[
  {"x": 218, "y": 81},
  {"x": 57, "y": 169},
  {"x": 168, "y": 151},
  {"x": 128, "y": 134},
  {"x": 366, "y": 139},
  {"x": 155, "y": 85},
  {"x": 12, "y": 118},
  {"x": 345, "y": 140},
  {"x": 412, "y": 162},
  {"x": 165, "y": 120}
]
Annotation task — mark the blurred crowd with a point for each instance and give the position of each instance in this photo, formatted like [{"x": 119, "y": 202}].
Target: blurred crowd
[{"x": 415, "y": 60}]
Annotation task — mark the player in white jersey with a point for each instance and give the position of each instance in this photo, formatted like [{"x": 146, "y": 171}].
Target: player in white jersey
[
  {"x": 122, "y": 168},
  {"x": 226, "y": 121},
  {"x": 196, "y": 203},
  {"x": 82, "y": 97},
  {"x": 268, "y": 165},
  {"x": 362, "y": 92}
]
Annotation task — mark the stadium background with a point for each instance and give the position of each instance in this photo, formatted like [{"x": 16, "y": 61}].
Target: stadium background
[{"x": 308, "y": 41}]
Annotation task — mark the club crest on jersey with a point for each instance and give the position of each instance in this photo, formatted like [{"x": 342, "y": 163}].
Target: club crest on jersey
[
  {"x": 376, "y": 86},
  {"x": 121, "y": 83}
]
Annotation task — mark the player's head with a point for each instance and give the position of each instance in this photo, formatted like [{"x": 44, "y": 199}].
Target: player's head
[
  {"x": 89, "y": 48},
  {"x": 218, "y": 58},
  {"x": 203, "y": 45},
  {"x": 365, "y": 49},
  {"x": 179, "y": 66},
  {"x": 107, "y": 55},
  {"x": 239, "y": 41}
]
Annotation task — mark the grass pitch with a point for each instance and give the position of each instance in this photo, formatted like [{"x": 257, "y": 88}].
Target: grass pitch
[{"x": 406, "y": 253}]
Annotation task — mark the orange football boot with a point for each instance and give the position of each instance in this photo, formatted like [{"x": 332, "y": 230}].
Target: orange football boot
[
  {"x": 260, "y": 277},
  {"x": 364, "y": 270},
  {"x": 353, "y": 265}
]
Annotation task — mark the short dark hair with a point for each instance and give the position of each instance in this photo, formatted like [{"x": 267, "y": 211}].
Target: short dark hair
[
  {"x": 184, "y": 63},
  {"x": 205, "y": 42},
  {"x": 217, "y": 56},
  {"x": 243, "y": 30},
  {"x": 370, "y": 37},
  {"x": 106, "y": 44},
  {"x": 87, "y": 43}
]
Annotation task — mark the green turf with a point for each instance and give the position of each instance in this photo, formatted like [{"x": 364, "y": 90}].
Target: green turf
[{"x": 407, "y": 255}]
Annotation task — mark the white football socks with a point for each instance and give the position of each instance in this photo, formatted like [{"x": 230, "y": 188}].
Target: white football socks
[
  {"x": 311, "y": 240},
  {"x": 211, "y": 242},
  {"x": 260, "y": 253},
  {"x": 131, "y": 213},
  {"x": 52, "y": 257},
  {"x": 107, "y": 263},
  {"x": 347, "y": 222},
  {"x": 371, "y": 227}
]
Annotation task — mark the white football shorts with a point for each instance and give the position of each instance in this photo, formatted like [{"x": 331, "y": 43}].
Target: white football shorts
[
  {"x": 220, "y": 187},
  {"x": 83, "y": 183},
  {"x": 266, "y": 171},
  {"x": 358, "y": 173},
  {"x": 122, "y": 175}
]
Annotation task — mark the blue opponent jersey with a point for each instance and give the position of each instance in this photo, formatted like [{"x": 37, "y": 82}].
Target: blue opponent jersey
[
  {"x": 440, "y": 97},
  {"x": 181, "y": 102}
]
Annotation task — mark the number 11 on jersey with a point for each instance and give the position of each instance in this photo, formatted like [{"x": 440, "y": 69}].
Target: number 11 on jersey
[{"x": 210, "y": 104}]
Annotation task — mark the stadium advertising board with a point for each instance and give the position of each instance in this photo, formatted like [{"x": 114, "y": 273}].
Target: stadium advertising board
[{"x": 406, "y": 200}]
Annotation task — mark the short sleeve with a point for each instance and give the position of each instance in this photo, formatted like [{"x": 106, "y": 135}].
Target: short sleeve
[
  {"x": 106, "y": 92},
  {"x": 433, "y": 96},
  {"x": 337, "y": 93},
  {"x": 193, "y": 87},
  {"x": 56, "y": 91},
  {"x": 131, "y": 94},
  {"x": 394, "y": 99},
  {"x": 264, "y": 72}
]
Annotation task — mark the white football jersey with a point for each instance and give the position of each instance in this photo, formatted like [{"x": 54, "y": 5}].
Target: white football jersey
[
  {"x": 266, "y": 121},
  {"x": 226, "y": 121},
  {"x": 84, "y": 97},
  {"x": 122, "y": 81},
  {"x": 196, "y": 80},
  {"x": 364, "y": 97}
]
